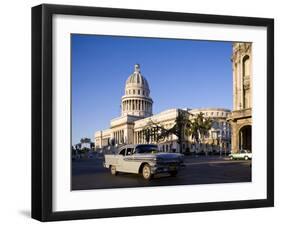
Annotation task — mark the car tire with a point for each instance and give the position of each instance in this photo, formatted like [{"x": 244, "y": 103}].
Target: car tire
[
  {"x": 146, "y": 172},
  {"x": 174, "y": 173},
  {"x": 231, "y": 158},
  {"x": 246, "y": 157},
  {"x": 113, "y": 170}
]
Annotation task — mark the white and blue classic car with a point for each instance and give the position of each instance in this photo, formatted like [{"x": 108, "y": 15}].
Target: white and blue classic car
[{"x": 143, "y": 159}]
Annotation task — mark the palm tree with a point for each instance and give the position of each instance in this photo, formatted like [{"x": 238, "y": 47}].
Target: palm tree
[
  {"x": 183, "y": 127},
  {"x": 199, "y": 128},
  {"x": 153, "y": 131},
  {"x": 159, "y": 132},
  {"x": 147, "y": 134},
  {"x": 182, "y": 124}
]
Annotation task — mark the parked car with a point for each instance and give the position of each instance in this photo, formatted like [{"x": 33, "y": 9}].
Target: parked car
[
  {"x": 143, "y": 159},
  {"x": 242, "y": 154}
]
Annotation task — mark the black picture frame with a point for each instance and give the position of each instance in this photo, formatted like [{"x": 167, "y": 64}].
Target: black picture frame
[{"x": 42, "y": 111}]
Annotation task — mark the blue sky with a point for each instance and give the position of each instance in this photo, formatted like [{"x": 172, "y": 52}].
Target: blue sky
[{"x": 180, "y": 73}]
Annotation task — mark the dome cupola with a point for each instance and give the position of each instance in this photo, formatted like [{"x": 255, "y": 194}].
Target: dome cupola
[
  {"x": 136, "y": 100},
  {"x": 137, "y": 79}
]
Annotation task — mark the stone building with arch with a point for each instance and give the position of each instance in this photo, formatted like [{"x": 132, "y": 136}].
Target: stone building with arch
[
  {"x": 241, "y": 116},
  {"x": 137, "y": 112}
]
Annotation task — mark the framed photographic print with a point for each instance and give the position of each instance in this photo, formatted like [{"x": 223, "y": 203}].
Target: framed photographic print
[{"x": 145, "y": 112}]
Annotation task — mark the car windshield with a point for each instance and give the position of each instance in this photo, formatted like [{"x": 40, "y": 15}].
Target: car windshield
[{"x": 146, "y": 149}]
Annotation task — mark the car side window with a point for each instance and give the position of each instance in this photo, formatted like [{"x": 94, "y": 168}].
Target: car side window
[
  {"x": 122, "y": 152},
  {"x": 129, "y": 151}
]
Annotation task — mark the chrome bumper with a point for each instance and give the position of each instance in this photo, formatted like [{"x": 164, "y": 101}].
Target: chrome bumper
[{"x": 165, "y": 169}]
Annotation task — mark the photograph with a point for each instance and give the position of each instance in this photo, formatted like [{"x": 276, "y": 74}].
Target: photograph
[
  {"x": 133, "y": 105},
  {"x": 149, "y": 111}
]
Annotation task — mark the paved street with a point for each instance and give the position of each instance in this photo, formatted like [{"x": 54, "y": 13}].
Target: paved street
[{"x": 90, "y": 174}]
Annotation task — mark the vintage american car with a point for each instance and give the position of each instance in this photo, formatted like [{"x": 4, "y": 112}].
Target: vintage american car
[
  {"x": 242, "y": 154},
  {"x": 143, "y": 159}
]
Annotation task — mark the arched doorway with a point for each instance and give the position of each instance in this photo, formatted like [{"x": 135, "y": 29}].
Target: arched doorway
[{"x": 245, "y": 138}]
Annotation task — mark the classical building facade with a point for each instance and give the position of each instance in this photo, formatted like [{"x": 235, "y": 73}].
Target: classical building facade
[
  {"x": 219, "y": 136},
  {"x": 241, "y": 116},
  {"x": 137, "y": 113}
]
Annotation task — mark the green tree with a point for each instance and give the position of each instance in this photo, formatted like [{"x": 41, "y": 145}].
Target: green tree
[
  {"x": 158, "y": 132},
  {"x": 182, "y": 124},
  {"x": 199, "y": 128},
  {"x": 152, "y": 131}
]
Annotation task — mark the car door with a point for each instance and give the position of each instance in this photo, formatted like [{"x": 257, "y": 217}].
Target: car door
[
  {"x": 130, "y": 164},
  {"x": 242, "y": 154},
  {"x": 120, "y": 160}
]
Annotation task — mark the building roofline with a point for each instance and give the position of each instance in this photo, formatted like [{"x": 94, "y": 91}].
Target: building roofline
[{"x": 210, "y": 109}]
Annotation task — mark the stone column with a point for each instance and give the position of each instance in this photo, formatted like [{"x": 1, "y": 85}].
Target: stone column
[
  {"x": 118, "y": 136},
  {"x": 234, "y": 138},
  {"x": 241, "y": 144},
  {"x": 144, "y": 106},
  {"x": 135, "y": 104},
  {"x": 135, "y": 136},
  {"x": 234, "y": 65},
  {"x": 241, "y": 83}
]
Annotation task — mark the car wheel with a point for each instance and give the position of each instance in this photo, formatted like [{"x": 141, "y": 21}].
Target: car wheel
[
  {"x": 113, "y": 170},
  {"x": 246, "y": 158},
  {"x": 174, "y": 173},
  {"x": 146, "y": 172},
  {"x": 231, "y": 158}
]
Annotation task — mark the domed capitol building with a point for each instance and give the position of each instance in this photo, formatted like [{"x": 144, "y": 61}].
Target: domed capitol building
[{"x": 137, "y": 112}]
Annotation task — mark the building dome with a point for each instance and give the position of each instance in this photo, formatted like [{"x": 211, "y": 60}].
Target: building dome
[
  {"x": 136, "y": 100},
  {"x": 136, "y": 79}
]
